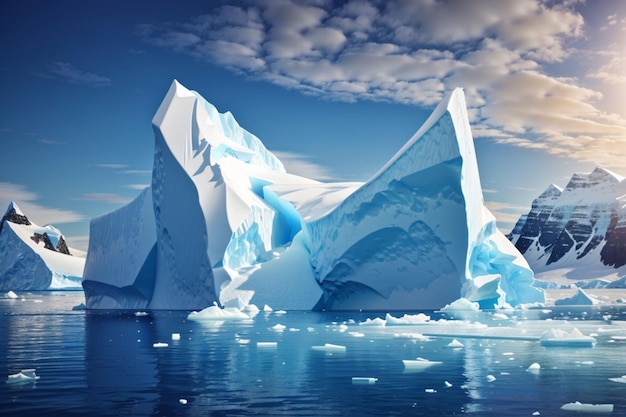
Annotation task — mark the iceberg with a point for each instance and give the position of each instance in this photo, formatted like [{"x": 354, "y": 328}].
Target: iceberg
[
  {"x": 581, "y": 298},
  {"x": 224, "y": 222},
  {"x": 36, "y": 257}
]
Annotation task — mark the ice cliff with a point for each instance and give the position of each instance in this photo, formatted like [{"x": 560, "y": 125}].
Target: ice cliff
[
  {"x": 223, "y": 222},
  {"x": 33, "y": 257},
  {"x": 581, "y": 228}
]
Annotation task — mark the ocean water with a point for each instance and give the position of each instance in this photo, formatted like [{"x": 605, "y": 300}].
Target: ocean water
[{"x": 105, "y": 364}]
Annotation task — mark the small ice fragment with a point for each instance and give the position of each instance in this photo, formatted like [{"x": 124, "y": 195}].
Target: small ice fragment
[
  {"x": 267, "y": 309},
  {"x": 491, "y": 378},
  {"x": 175, "y": 336},
  {"x": 359, "y": 380},
  {"x": 330, "y": 348},
  {"x": 411, "y": 336},
  {"x": 373, "y": 322},
  {"x": 447, "y": 384},
  {"x": 26, "y": 375},
  {"x": 11, "y": 295},
  {"x": 356, "y": 334},
  {"x": 508, "y": 353},
  {"x": 140, "y": 313},
  {"x": 536, "y": 413},
  {"x": 278, "y": 328},
  {"x": 584, "y": 362},
  {"x": 419, "y": 364},
  {"x": 557, "y": 337},
  {"x": 455, "y": 344},
  {"x": 588, "y": 408},
  {"x": 430, "y": 390},
  {"x": 160, "y": 345},
  {"x": 500, "y": 316},
  {"x": 621, "y": 379},
  {"x": 534, "y": 368},
  {"x": 279, "y": 312},
  {"x": 310, "y": 329},
  {"x": 183, "y": 401},
  {"x": 267, "y": 345},
  {"x": 243, "y": 341},
  {"x": 407, "y": 319},
  {"x": 343, "y": 328},
  {"x": 294, "y": 329}
]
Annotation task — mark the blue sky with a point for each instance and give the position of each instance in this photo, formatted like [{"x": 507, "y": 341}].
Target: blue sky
[{"x": 333, "y": 88}]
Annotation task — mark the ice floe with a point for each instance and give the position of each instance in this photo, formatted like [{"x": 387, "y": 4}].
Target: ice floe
[
  {"x": 160, "y": 345},
  {"x": 216, "y": 313},
  {"x": 25, "y": 375},
  {"x": 534, "y": 368},
  {"x": 407, "y": 319},
  {"x": 11, "y": 295},
  {"x": 588, "y": 408},
  {"x": 455, "y": 344},
  {"x": 360, "y": 380},
  {"x": 330, "y": 348},
  {"x": 419, "y": 364},
  {"x": 558, "y": 337},
  {"x": 621, "y": 379},
  {"x": 267, "y": 345}
]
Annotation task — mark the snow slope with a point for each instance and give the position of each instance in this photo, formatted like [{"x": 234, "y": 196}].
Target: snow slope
[
  {"x": 578, "y": 232},
  {"x": 231, "y": 226},
  {"x": 36, "y": 257}
]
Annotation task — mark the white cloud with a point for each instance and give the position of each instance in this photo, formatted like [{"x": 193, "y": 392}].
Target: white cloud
[
  {"x": 506, "y": 214},
  {"x": 73, "y": 75},
  {"x": 298, "y": 164},
  {"x": 27, "y": 201},
  {"x": 105, "y": 198},
  {"x": 414, "y": 52}
]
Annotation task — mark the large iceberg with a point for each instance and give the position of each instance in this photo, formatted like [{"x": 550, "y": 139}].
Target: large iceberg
[
  {"x": 36, "y": 257},
  {"x": 223, "y": 222}
]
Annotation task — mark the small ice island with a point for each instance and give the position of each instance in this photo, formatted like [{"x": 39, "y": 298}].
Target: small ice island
[{"x": 223, "y": 222}]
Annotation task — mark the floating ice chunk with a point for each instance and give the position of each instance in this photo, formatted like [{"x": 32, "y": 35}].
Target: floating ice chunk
[
  {"x": 461, "y": 309},
  {"x": 280, "y": 312},
  {"x": 411, "y": 336},
  {"x": 175, "y": 336},
  {"x": 581, "y": 298},
  {"x": 159, "y": 345},
  {"x": 558, "y": 337},
  {"x": 359, "y": 380},
  {"x": 499, "y": 316},
  {"x": 356, "y": 334},
  {"x": 267, "y": 345},
  {"x": 278, "y": 328},
  {"x": 26, "y": 375},
  {"x": 330, "y": 348},
  {"x": 215, "y": 313},
  {"x": 407, "y": 319},
  {"x": 491, "y": 378},
  {"x": 447, "y": 384},
  {"x": 430, "y": 390},
  {"x": 621, "y": 379},
  {"x": 534, "y": 368},
  {"x": 267, "y": 309},
  {"x": 251, "y": 310},
  {"x": 11, "y": 295},
  {"x": 536, "y": 413},
  {"x": 373, "y": 322},
  {"x": 588, "y": 408},
  {"x": 140, "y": 313},
  {"x": 418, "y": 364},
  {"x": 455, "y": 344},
  {"x": 243, "y": 341},
  {"x": 310, "y": 329},
  {"x": 294, "y": 329},
  {"x": 183, "y": 401}
]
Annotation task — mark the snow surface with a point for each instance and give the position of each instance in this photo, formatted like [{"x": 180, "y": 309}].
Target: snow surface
[
  {"x": 223, "y": 222},
  {"x": 27, "y": 265}
]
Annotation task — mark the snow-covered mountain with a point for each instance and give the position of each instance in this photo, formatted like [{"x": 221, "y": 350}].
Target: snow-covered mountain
[
  {"x": 224, "y": 222},
  {"x": 33, "y": 257},
  {"x": 578, "y": 232}
]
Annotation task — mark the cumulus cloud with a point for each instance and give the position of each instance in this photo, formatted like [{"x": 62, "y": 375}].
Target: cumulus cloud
[
  {"x": 414, "y": 51},
  {"x": 299, "y": 164},
  {"x": 38, "y": 213}
]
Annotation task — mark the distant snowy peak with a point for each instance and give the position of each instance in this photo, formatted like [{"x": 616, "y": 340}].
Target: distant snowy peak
[
  {"x": 35, "y": 257},
  {"x": 582, "y": 226}
]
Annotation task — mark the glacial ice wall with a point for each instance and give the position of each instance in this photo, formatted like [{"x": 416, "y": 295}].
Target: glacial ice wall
[{"x": 231, "y": 226}]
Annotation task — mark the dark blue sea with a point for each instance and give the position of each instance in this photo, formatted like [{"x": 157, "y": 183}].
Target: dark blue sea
[{"x": 106, "y": 364}]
